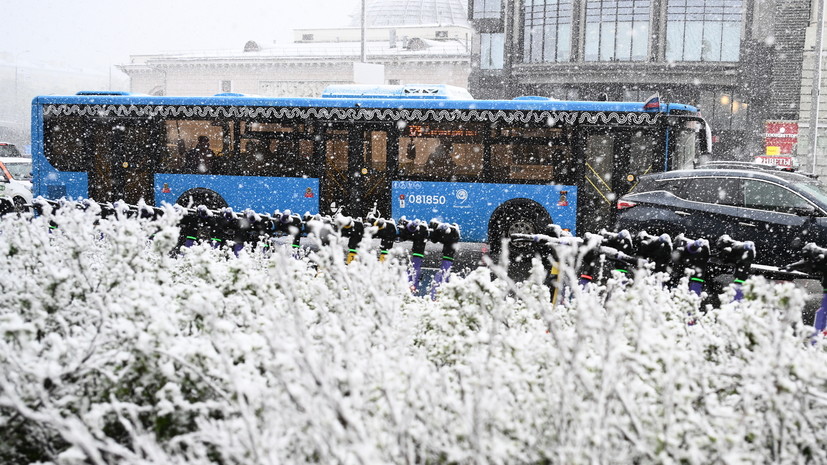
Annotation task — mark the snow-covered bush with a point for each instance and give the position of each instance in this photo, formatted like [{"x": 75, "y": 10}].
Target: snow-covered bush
[{"x": 116, "y": 349}]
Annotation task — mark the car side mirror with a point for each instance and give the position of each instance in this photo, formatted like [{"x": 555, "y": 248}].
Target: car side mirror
[{"x": 808, "y": 211}]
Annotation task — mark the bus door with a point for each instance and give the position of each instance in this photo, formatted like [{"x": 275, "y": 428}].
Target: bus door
[
  {"x": 123, "y": 165},
  {"x": 357, "y": 172},
  {"x": 614, "y": 160}
]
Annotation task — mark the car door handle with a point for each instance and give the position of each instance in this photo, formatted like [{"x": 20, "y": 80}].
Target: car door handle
[
  {"x": 749, "y": 225},
  {"x": 682, "y": 213}
]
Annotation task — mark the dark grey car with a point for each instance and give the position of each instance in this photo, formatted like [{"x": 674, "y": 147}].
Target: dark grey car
[{"x": 778, "y": 211}]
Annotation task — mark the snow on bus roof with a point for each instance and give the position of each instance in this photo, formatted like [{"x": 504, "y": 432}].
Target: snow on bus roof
[{"x": 430, "y": 91}]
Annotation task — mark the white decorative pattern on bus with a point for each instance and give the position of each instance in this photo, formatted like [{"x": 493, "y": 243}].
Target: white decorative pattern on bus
[{"x": 355, "y": 114}]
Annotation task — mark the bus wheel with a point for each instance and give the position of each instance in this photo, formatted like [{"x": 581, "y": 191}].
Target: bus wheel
[
  {"x": 526, "y": 217},
  {"x": 199, "y": 196},
  {"x": 19, "y": 204}
]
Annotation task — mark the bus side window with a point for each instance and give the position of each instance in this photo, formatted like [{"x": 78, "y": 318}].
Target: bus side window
[
  {"x": 413, "y": 154},
  {"x": 441, "y": 161},
  {"x": 644, "y": 150},
  {"x": 522, "y": 161},
  {"x": 468, "y": 159},
  {"x": 252, "y": 160},
  {"x": 531, "y": 154},
  {"x": 501, "y": 156},
  {"x": 304, "y": 160},
  {"x": 278, "y": 155},
  {"x": 182, "y": 136},
  {"x": 66, "y": 142},
  {"x": 376, "y": 150},
  {"x": 563, "y": 162}
]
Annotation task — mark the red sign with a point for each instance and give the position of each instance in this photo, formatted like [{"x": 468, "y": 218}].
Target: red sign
[{"x": 780, "y": 134}]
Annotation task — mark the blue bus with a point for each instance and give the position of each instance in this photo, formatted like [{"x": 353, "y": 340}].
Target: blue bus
[{"x": 494, "y": 167}]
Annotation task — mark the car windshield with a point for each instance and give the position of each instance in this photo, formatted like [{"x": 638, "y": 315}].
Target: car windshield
[
  {"x": 815, "y": 189},
  {"x": 20, "y": 171}
]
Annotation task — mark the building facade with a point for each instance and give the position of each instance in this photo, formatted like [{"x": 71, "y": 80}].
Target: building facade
[
  {"x": 415, "y": 41},
  {"x": 817, "y": 163},
  {"x": 738, "y": 60}
]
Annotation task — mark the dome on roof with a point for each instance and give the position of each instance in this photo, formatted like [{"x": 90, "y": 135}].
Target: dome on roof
[{"x": 413, "y": 12}]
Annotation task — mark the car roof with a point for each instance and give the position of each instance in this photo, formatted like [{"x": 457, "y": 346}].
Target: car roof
[
  {"x": 769, "y": 175},
  {"x": 748, "y": 165}
]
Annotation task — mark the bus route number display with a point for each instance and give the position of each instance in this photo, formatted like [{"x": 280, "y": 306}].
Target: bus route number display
[{"x": 418, "y": 130}]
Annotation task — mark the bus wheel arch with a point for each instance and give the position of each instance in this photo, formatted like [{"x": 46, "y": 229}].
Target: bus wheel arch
[
  {"x": 202, "y": 196},
  {"x": 522, "y": 216}
]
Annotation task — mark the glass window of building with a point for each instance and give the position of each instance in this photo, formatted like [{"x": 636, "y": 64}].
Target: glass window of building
[
  {"x": 547, "y": 34},
  {"x": 487, "y": 9},
  {"x": 492, "y": 50},
  {"x": 703, "y": 30},
  {"x": 725, "y": 109},
  {"x": 617, "y": 30}
]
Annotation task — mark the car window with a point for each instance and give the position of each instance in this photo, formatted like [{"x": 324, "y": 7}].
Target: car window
[
  {"x": 815, "y": 189},
  {"x": 722, "y": 191},
  {"x": 8, "y": 150},
  {"x": 767, "y": 196},
  {"x": 20, "y": 171},
  {"x": 675, "y": 186}
]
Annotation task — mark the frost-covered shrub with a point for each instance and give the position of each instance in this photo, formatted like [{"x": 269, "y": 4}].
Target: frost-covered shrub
[{"x": 116, "y": 349}]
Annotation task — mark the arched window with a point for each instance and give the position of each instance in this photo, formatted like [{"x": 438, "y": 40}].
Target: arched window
[
  {"x": 617, "y": 30},
  {"x": 698, "y": 30}
]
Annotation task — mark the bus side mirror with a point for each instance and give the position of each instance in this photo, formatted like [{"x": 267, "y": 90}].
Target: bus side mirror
[{"x": 706, "y": 140}]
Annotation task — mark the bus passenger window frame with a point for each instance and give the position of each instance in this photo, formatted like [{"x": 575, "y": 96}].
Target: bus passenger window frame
[
  {"x": 465, "y": 145},
  {"x": 56, "y": 149},
  {"x": 504, "y": 166}
]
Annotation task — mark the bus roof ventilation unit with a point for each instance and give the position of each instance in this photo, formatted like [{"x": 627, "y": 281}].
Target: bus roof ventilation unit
[{"x": 410, "y": 91}]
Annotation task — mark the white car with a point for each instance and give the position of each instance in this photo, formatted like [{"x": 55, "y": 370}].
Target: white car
[{"x": 16, "y": 180}]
